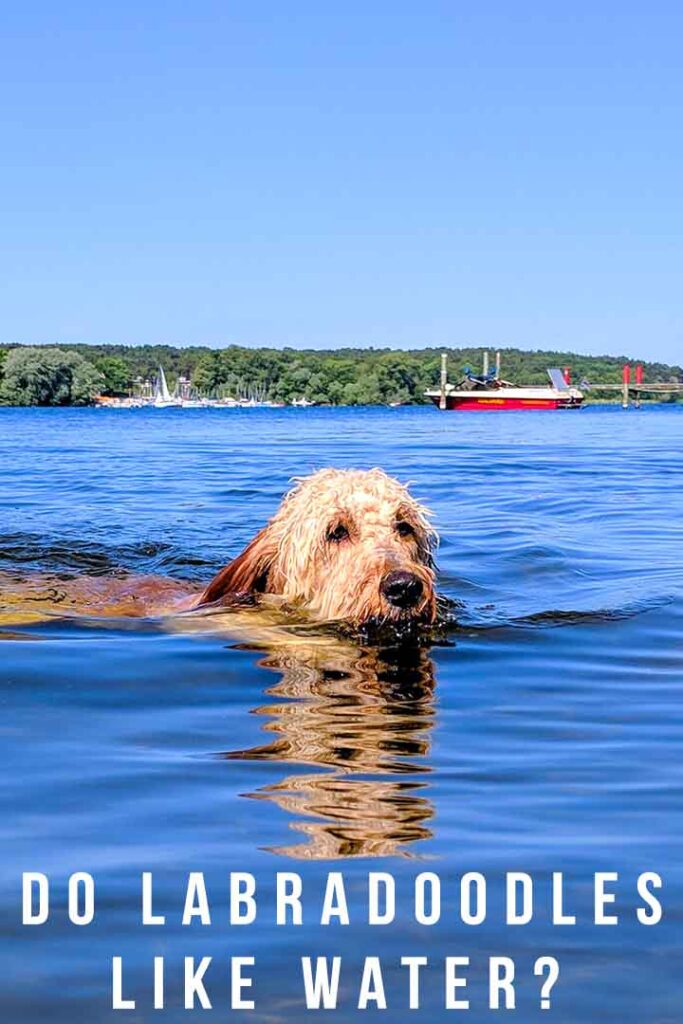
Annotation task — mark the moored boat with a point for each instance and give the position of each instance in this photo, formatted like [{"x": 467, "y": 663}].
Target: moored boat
[
  {"x": 488, "y": 392},
  {"x": 162, "y": 396}
]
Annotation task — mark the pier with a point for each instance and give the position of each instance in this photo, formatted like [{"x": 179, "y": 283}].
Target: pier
[{"x": 637, "y": 388}]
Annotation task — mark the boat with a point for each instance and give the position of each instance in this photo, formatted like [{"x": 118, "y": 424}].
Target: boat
[
  {"x": 488, "y": 392},
  {"x": 302, "y": 403},
  {"x": 162, "y": 396}
]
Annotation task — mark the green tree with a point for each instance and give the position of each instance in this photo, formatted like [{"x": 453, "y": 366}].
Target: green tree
[
  {"x": 207, "y": 375},
  {"x": 115, "y": 373},
  {"x": 48, "y": 376}
]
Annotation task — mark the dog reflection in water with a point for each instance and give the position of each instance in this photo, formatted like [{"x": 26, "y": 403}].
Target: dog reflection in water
[{"x": 363, "y": 716}]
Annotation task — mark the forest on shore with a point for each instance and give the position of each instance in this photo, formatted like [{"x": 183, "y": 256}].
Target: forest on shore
[{"x": 76, "y": 374}]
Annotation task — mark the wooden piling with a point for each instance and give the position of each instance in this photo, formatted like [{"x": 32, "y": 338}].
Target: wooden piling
[{"x": 444, "y": 380}]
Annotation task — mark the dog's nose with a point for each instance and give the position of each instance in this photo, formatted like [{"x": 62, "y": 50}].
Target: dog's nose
[{"x": 402, "y": 589}]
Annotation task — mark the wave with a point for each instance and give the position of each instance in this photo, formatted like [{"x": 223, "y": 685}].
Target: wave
[{"x": 35, "y": 552}]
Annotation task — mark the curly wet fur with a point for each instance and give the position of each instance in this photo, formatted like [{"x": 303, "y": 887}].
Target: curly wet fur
[{"x": 330, "y": 545}]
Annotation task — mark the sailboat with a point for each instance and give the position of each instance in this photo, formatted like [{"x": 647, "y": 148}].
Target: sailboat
[{"x": 162, "y": 396}]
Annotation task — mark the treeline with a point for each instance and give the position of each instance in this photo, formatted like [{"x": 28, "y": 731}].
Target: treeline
[{"x": 75, "y": 374}]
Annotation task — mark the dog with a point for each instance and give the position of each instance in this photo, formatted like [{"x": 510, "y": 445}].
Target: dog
[{"x": 345, "y": 546}]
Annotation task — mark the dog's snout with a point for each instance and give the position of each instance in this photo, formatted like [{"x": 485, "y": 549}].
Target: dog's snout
[{"x": 402, "y": 589}]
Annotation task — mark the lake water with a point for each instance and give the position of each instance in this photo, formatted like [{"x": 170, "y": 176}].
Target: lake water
[{"x": 546, "y": 735}]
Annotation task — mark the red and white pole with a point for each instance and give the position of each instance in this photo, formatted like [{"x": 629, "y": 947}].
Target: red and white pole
[
  {"x": 626, "y": 380},
  {"x": 639, "y": 380}
]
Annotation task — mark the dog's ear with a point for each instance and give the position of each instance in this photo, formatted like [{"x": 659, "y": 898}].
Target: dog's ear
[{"x": 246, "y": 574}]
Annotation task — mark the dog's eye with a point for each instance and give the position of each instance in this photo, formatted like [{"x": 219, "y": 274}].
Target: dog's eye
[
  {"x": 404, "y": 529},
  {"x": 338, "y": 533}
]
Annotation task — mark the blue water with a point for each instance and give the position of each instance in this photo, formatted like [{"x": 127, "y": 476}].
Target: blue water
[{"x": 545, "y": 735}]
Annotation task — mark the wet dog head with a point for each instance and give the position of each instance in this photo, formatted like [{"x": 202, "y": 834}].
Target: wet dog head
[{"x": 346, "y": 545}]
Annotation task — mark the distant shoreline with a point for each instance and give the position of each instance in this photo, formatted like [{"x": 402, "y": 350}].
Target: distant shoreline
[
  {"x": 64, "y": 375},
  {"x": 589, "y": 402}
]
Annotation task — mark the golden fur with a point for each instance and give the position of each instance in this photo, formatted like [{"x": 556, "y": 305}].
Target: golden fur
[{"x": 331, "y": 545}]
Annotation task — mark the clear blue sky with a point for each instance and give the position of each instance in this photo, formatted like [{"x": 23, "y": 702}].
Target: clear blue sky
[{"x": 337, "y": 172}]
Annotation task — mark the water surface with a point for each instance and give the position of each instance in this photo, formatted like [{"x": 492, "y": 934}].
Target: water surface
[{"x": 546, "y": 735}]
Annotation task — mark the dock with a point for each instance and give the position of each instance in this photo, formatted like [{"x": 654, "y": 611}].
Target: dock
[
  {"x": 488, "y": 390},
  {"x": 637, "y": 388}
]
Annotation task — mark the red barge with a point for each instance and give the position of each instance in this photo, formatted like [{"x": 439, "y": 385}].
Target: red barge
[{"x": 488, "y": 392}]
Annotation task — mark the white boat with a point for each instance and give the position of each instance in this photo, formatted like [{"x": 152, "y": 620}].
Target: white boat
[
  {"x": 488, "y": 392},
  {"x": 162, "y": 396},
  {"x": 302, "y": 403}
]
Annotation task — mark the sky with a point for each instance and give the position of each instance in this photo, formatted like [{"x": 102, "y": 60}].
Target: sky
[{"x": 319, "y": 174}]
